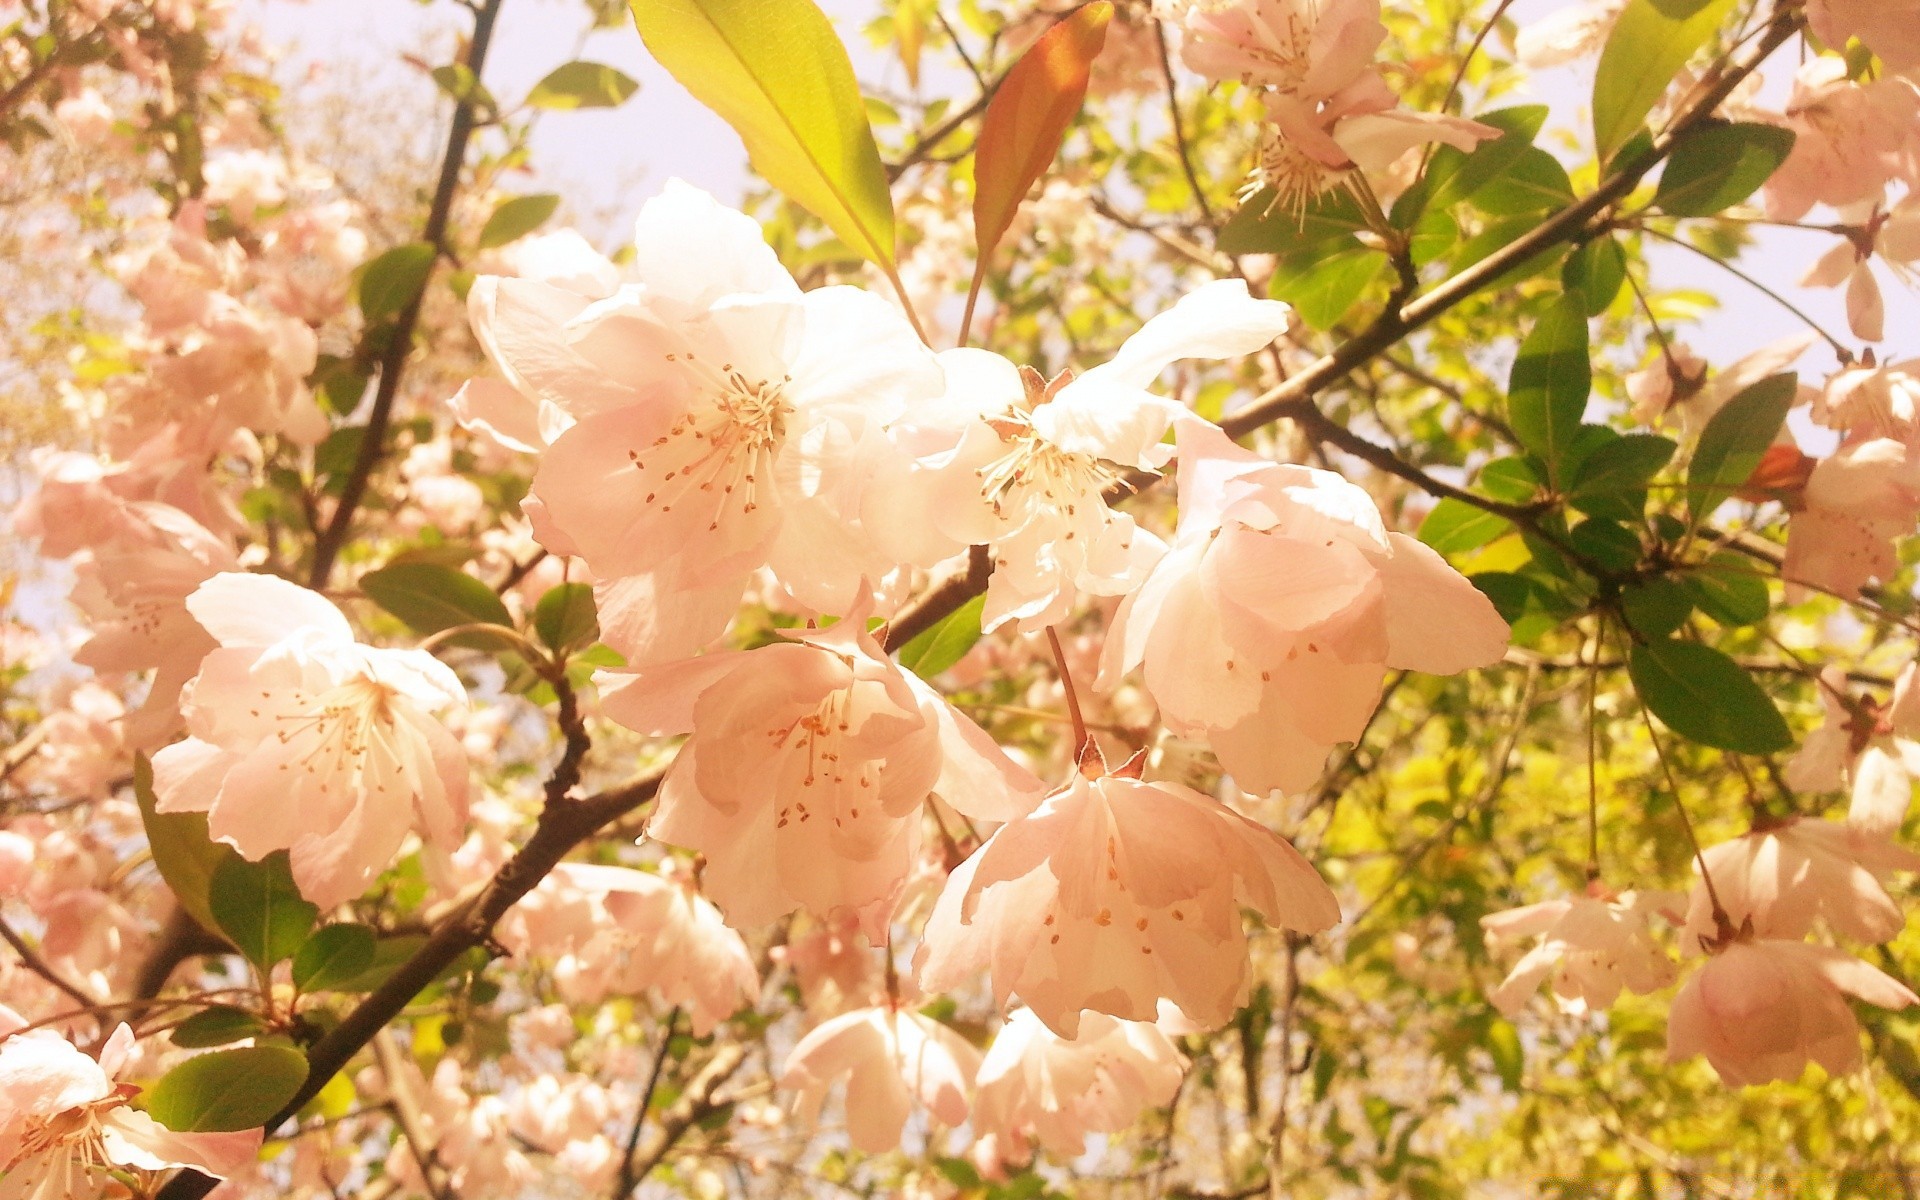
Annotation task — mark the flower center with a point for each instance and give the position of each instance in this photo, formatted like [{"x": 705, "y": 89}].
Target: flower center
[{"x": 725, "y": 441}]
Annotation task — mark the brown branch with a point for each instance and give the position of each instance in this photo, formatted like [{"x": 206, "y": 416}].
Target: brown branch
[
  {"x": 30, "y": 958},
  {"x": 394, "y": 361},
  {"x": 693, "y": 1106}
]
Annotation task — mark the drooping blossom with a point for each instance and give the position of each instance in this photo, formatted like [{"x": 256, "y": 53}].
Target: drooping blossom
[
  {"x": 833, "y": 964},
  {"x": 303, "y": 739},
  {"x": 1036, "y": 1085},
  {"x": 1115, "y": 895},
  {"x": 893, "y": 1058},
  {"x": 1850, "y": 140},
  {"x": 1871, "y": 401},
  {"x": 809, "y": 763},
  {"x": 1571, "y": 32},
  {"x": 1591, "y": 946},
  {"x": 1858, "y": 501},
  {"x": 1762, "y": 1009},
  {"x": 1870, "y": 751},
  {"x": 66, "y": 1125},
  {"x": 618, "y": 931},
  {"x": 1329, "y": 111},
  {"x": 1021, "y": 464},
  {"x": 1780, "y": 880},
  {"x": 1677, "y": 388},
  {"x": 722, "y": 421},
  {"x": 1269, "y": 627},
  {"x": 1890, "y": 28}
]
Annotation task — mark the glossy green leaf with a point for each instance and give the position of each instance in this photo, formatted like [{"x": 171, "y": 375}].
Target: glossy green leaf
[
  {"x": 1717, "y": 166},
  {"x": 394, "y": 280},
  {"x": 1651, "y": 41},
  {"x": 1263, "y": 226},
  {"x": 583, "y": 85},
  {"x": 1655, "y": 608},
  {"x": 186, "y": 855},
  {"x": 775, "y": 71},
  {"x": 259, "y": 909},
  {"x": 1596, "y": 271},
  {"x": 227, "y": 1091},
  {"x": 432, "y": 596},
  {"x": 946, "y": 643},
  {"x": 1730, "y": 588},
  {"x": 1323, "y": 289},
  {"x": 1622, "y": 467},
  {"x": 1704, "y": 696},
  {"x": 332, "y": 955},
  {"x": 1533, "y": 183},
  {"x": 1454, "y": 176},
  {"x": 1735, "y": 440},
  {"x": 389, "y": 953},
  {"x": 220, "y": 1025},
  {"x": 566, "y": 616},
  {"x": 1547, "y": 393},
  {"x": 1455, "y": 527},
  {"x": 516, "y": 218}
]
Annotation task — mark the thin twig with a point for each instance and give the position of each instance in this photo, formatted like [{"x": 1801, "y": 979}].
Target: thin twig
[
  {"x": 623, "y": 1187},
  {"x": 30, "y": 958}
]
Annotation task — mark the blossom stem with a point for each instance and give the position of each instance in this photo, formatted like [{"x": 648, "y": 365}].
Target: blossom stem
[
  {"x": 1179, "y": 126},
  {"x": 1839, "y": 348},
  {"x": 1593, "y": 754},
  {"x": 1721, "y": 922},
  {"x": 1082, "y": 740},
  {"x": 623, "y": 1187}
]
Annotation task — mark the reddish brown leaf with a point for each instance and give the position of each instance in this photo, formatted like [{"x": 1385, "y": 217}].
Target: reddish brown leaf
[{"x": 1026, "y": 122}]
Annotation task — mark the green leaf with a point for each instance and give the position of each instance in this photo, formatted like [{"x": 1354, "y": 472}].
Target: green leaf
[
  {"x": 1619, "y": 470},
  {"x": 516, "y": 218},
  {"x": 389, "y": 953},
  {"x": 1651, "y": 41},
  {"x": 1656, "y": 607},
  {"x": 934, "y": 650},
  {"x": 1735, "y": 440},
  {"x": 1455, "y": 527},
  {"x": 1596, "y": 271},
  {"x": 1547, "y": 393},
  {"x": 1704, "y": 696},
  {"x": 227, "y": 1091},
  {"x": 259, "y": 908},
  {"x": 1322, "y": 289},
  {"x": 1535, "y": 182},
  {"x": 583, "y": 85},
  {"x": 1503, "y": 1044},
  {"x": 186, "y": 855},
  {"x": 1717, "y": 166},
  {"x": 458, "y": 81},
  {"x": 1609, "y": 544},
  {"x": 394, "y": 280},
  {"x": 774, "y": 70},
  {"x": 566, "y": 616},
  {"x": 334, "y": 953},
  {"x": 217, "y": 1026},
  {"x": 1729, "y": 588},
  {"x": 1262, "y": 226},
  {"x": 432, "y": 596},
  {"x": 1454, "y": 176}
]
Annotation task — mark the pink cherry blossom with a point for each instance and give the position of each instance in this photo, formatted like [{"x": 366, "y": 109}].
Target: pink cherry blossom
[
  {"x": 1890, "y": 28},
  {"x": 65, "y": 1123},
  {"x": 717, "y": 411},
  {"x": 1114, "y": 895},
  {"x": 1761, "y": 1010},
  {"x": 1035, "y": 1083},
  {"x": 1269, "y": 627},
  {"x": 1591, "y": 946},
  {"x": 809, "y": 763},
  {"x": 892, "y": 1058},
  {"x": 1857, "y": 502},
  {"x": 1781, "y": 880},
  {"x": 1850, "y": 139},
  {"x": 1871, "y": 401},
  {"x": 1871, "y": 751},
  {"x": 1571, "y": 32},
  {"x": 620, "y": 931},
  {"x": 305, "y": 740},
  {"x": 1023, "y": 465}
]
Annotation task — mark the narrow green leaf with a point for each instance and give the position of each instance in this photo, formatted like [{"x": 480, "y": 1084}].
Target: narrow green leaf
[
  {"x": 1509, "y": 1059},
  {"x": 1717, "y": 166},
  {"x": 259, "y": 908},
  {"x": 1455, "y": 527},
  {"x": 1735, "y": 440},
  {"x": 1324, "y": 288},
  {"x": 431, "y": 596},
  {"x": 946, "y": 643},
  {"x": 217, "y": 1026},
  {"x": 186, "y": 855},
  {"x": 1547, "y": 393},
  {"x": 774, "y": 70},
  {"x": 566, "y": 616},
  {"x": 1705, "y": 697},
  {"x": 583, "y": 85},
  {"x": 1651, "y": 41},
  {"x": 1729, "y": 588},
  {"x": 227, "y": 1091},
  {"x": 333, "y": 954},
  {"x": 516, "y": 218},
  {"x": 393, "y": 280}
]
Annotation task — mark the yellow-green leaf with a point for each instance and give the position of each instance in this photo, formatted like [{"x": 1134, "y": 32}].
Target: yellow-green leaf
[
  {"x": 1649, "y": 44},
  {"x": 775, "y": 71},
  {"x": 185, "y": 853}
]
